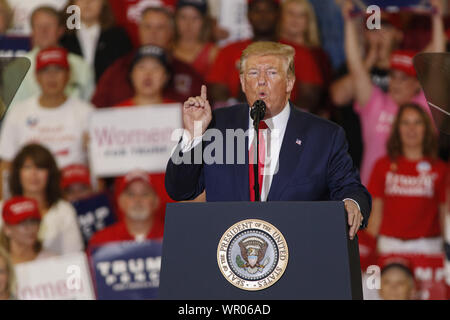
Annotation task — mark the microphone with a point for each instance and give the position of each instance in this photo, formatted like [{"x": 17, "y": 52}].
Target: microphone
[{"x": 257, "y": 113}]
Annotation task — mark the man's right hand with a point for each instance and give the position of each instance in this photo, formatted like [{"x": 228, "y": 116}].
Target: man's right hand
[{"x": 197, "y": 110}]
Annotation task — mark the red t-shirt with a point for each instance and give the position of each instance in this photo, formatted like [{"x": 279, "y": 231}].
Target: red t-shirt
[
  {"x": 119, "y": 232},
  {"x": 411, "y": 192},
  {"x": 225, "y": 69}
]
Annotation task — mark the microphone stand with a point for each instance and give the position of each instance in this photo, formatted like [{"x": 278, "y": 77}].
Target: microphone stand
[
  {"x": 257, "y": 114},
  {"x": 256, "y": 122}
]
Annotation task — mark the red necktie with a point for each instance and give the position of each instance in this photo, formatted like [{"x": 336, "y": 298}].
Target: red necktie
[{"x": 251, "y": 155}]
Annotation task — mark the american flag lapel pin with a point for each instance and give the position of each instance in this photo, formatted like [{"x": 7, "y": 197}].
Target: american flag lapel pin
[{"x": 299, "y": 142}]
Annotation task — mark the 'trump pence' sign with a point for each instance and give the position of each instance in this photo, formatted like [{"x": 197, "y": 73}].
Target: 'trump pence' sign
[
  {"x": 124, "y": 139},
  {"x": 127, "y": 270}
]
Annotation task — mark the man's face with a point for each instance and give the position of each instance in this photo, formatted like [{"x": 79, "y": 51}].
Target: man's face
[
  {"x": 263, "y": 18},
  {"x": 265, "y": 78},
  {"x": 52, "y": 80},
  {"x": 138, "y": 201},
  {"x": 46, "y": 30},
  {"x": 156, "y": 29},
  {"x": 148, "y": 77}
]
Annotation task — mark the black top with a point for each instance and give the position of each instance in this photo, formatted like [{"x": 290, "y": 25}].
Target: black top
[{"x": 112, "y": 44}]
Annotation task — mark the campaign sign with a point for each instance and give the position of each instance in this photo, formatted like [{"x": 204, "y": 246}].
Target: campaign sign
[
  {"x": 125, "y": 139},
  {"x": 64, "y": 277},
  {"x": 127, "y": 270},
  {"x": 94, "y": 214}
]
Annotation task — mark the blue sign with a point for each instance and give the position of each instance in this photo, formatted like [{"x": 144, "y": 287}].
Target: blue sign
[
  {"x": 12, "y": 46},
  {"x": 127, "y": 270},
  {"x": 94, "y": 214}
]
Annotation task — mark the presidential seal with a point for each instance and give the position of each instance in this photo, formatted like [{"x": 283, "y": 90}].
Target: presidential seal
[{"x": 252, "y": 254}]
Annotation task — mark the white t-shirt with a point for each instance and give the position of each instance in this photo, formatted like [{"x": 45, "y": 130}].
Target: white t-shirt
[
  {"x": 59, "y": 230},
  {"x": 59, "y": 129}
]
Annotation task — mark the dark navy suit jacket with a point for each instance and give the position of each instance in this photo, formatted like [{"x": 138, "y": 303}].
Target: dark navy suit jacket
[{"x": 313, "y": 164}]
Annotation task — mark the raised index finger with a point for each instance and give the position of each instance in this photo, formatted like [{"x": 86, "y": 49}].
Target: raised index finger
[{"x": 204, "y": 93}]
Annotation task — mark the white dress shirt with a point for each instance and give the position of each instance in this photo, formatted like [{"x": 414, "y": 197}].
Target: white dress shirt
[
  {"x": 88, "y": 38},
  {"x": 273, "y": 138}
]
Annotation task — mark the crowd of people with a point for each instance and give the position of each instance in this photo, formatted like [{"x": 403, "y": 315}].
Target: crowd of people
[{"x": 155, "y": 52}]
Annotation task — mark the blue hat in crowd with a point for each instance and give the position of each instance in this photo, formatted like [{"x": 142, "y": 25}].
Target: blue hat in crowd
[{"x": 154, "y": 52}]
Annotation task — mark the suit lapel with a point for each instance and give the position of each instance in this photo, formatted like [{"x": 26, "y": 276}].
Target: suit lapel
[
  {"x": 241, "y": 170},
  {"x": 290, "y": 154}
]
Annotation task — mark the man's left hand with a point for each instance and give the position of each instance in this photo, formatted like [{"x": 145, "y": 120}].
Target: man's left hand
[{"x": 354, "y": 217}]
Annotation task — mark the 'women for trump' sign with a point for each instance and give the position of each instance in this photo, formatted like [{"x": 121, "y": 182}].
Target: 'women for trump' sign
[{"x": 125, "y": 139}]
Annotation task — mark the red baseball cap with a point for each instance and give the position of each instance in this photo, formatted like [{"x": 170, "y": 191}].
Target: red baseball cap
[
  {"x": 75, "y": 173},
  {"x": 52, "y": 57},
  {"x": 403, "y": 60},
  {"x": 123, "y": 182},
  {"x": 19, "y": 209}
]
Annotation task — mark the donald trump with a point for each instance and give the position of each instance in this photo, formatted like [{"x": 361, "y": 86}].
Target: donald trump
[{"x": 308, "y": 155}]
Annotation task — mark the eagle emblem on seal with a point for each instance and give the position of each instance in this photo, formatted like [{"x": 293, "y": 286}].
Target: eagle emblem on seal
[{"x": 253, "y": 251}]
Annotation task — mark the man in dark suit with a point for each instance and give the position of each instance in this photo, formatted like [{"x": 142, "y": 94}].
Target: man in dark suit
[{"x": 304, "y": 157}]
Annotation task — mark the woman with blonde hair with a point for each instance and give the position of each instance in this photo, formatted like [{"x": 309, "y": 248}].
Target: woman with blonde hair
[
  {"x": 7, "y": 277},
  {"x": 298, "y": 23},
  {"x": 298, "y": 27}
]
